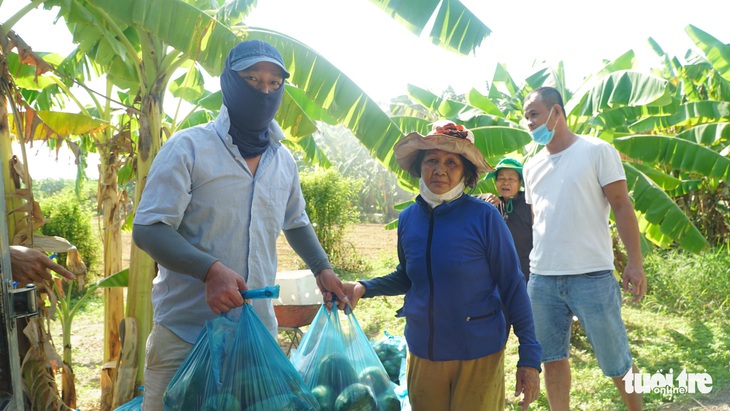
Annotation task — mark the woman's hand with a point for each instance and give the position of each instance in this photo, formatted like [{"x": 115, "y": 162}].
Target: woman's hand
[
  {"x": 528, "y": 383},
  {"x": 490, "y": 198},
  {"x": 354, "y": 290}
]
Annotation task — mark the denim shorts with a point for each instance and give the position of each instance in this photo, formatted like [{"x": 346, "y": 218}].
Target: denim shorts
[{"x": 595, "y": 298}]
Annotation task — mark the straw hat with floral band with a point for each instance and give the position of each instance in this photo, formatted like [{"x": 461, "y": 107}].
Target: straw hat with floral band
[{"x": 444, "y": 135}]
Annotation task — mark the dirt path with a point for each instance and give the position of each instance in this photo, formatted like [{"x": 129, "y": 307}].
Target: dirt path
[{"x": 369, "y": 240}]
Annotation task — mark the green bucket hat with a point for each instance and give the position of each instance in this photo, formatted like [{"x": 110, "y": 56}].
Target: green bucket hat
[{"x": 509, "y": 163}]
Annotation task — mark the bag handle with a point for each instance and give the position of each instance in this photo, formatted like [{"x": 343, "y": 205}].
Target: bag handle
[
  {"x": 347, "y": 310},
  {"x": 271, "y": 291}
]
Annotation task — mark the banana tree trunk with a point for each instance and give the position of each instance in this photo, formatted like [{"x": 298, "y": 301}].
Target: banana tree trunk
[
  {"x": 66, "y": 315},
  {"x": 6, "y": 149},
  {"x": 37, "y": 376},
  {"x": 112, "y": 220},
  {"x": 142, "y": 267}
]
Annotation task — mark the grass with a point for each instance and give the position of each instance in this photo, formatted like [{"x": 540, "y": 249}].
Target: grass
[
  {"x": 685, "y": 283},
  {"x": 683, "y": 323}
]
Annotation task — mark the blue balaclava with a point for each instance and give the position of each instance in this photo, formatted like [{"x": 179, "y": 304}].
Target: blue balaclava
[{"x": 250, "y": 110}]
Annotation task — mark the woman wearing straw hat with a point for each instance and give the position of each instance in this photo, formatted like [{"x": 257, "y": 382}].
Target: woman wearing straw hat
[
  {"x": 457, "y": 268},
  {"x": 511, "y": 204}
]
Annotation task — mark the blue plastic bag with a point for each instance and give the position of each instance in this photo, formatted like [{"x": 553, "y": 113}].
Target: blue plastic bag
[
  {"x": 135, "y": 404},
  {"x": 340, "y": 366},
  {"x": 236, "y": 364},
  {"x": 391, "y": 351}
]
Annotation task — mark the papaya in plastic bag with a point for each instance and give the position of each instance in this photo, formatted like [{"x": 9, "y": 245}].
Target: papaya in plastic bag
[
  {"x": 391, "y": 351},
  {"x": 236, "y": 364},
  {"x": 337, "y": 362}
]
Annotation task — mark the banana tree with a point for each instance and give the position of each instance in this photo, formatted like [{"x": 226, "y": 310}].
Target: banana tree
[
  {"x": 112, "y": 143},
  {"x": 608, "y": 105},
  {"x": 671, "y": 128},
  {"x": 94, "y": 135},
  {"x": 684, "y": 144},
  {"x": 28, "y": 124},
  {"x": 54, "y": 128}
]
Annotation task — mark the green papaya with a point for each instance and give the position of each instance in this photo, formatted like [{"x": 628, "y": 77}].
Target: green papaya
[
  {"x": 376, "y": 378},
  {"x": 334, "y": 371},
  {"x": 285, "y": 402},
  {"x": 356, "y": 397},
  {"x": 222, "y": 402},
  {"x": 392, "y": 366},
  {"x": 387, "y": 401},
  {"x": 325, "y": 397}
]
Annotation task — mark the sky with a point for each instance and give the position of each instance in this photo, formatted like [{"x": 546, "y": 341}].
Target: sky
[{"x": 383, "y": 57}]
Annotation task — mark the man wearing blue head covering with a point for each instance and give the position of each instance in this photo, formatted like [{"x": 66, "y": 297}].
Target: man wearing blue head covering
[{"x": 216, "y": 199}]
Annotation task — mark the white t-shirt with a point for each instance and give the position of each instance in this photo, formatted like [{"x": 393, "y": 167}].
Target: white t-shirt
[{"x": 571, "y": 213}]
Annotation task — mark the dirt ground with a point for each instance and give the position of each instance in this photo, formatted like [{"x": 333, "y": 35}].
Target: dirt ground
[{"x": 368, "y": 240}]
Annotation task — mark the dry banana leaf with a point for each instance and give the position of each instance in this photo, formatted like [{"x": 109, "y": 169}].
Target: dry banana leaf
[
  {"x": 38, "y": 370},
  {"x": 68, "y": 386}
]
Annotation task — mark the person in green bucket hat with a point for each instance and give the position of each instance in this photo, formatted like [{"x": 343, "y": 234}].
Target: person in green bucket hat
[{"x": 511, "y": 204}]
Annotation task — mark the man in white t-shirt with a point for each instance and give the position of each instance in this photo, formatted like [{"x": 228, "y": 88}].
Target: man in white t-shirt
[{"x": 572, "y": 185}]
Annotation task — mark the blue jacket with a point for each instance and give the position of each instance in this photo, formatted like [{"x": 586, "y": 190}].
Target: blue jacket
[{"x": 457, "y": 267}]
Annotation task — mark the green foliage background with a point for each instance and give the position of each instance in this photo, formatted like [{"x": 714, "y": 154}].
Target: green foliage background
[
  {"x": 379, "y": 192},
  {"x": 331, "y": 200},
  {"x": 71, "y": 216}
]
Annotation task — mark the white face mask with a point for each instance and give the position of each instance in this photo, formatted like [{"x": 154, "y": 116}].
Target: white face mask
[{"x": 435, "y": 200}]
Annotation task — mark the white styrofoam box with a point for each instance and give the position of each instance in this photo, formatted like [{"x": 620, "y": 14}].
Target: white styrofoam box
[{"x": 297, "y": 287}]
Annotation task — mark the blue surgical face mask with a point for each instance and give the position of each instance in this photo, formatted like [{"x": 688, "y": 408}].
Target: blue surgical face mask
[{"x": 542, "y": 135}]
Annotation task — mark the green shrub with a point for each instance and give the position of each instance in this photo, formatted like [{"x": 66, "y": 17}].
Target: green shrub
[
  {"x": 686, "y": 283},
  {"x": 71, "y": 220},
  {"x": 331, "y": 200}
]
